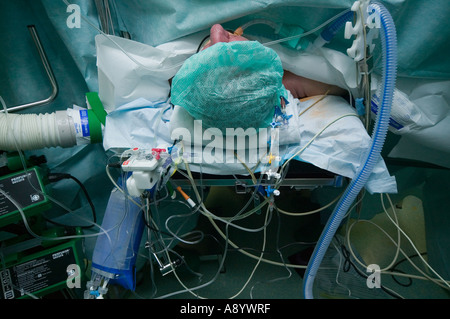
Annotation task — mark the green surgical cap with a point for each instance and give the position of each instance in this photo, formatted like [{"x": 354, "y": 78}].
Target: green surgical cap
[{"x": 230, "y": 85}]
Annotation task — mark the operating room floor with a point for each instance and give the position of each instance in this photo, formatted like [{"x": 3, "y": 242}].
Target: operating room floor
[{"x": 286, "y": 237}]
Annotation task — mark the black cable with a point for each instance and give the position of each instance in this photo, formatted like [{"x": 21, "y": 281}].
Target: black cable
[
  {"x": 147, "y": 224},
  {"x": 349, "y": 263},
  {"x": 398, "y": 282},
  {"x": 56, "y": 177},
  {"x": 397, "y": 270}
]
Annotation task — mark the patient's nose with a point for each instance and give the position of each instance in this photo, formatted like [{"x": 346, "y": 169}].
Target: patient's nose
[{"x": 218, "y": 34}]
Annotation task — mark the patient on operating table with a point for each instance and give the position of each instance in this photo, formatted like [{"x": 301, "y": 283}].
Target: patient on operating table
[
  {"x": 241, "y": 84},
  {"x": 235, "y": 82}
]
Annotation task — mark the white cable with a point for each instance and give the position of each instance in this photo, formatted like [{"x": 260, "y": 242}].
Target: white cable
[
  {"x": 315, "y": 211},
  {"x": 211, "y": 216},
  {"x": 411, "y": 242},
  {"x": 27, "y": 226},
  {"x": 211, "y": 220},
  {"x": 396, "y": 244},
  {"x": 281, "y": 257},
  {"x": 314, "y": 137},
  {"x": 425, "y": 276},
  {"x": 258, "y": 261},
  {"x": 398, "y": 234}
]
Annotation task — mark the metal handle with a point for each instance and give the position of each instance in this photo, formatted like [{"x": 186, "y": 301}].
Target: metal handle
[{"x": 48, "y": 70}]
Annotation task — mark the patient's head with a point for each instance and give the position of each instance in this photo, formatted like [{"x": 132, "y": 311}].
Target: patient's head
[{"x": 232, "y": 83}]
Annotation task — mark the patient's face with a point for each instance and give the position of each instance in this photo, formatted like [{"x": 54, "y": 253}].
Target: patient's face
[{"x": 219, "y": 34}]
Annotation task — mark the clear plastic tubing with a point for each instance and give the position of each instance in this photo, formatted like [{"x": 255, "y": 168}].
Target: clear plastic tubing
[
  {"x": 389, "y": 55},
  {"x": 272, "y": 24}
]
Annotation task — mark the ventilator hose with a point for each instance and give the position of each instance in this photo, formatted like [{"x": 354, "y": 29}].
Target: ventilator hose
[
  {"x": 35, "y": 131},
  {"x": 389, "y": 56}
]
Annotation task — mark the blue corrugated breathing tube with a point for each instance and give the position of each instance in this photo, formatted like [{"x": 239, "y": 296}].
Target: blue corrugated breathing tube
[{"x": 389, "y": 55}]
